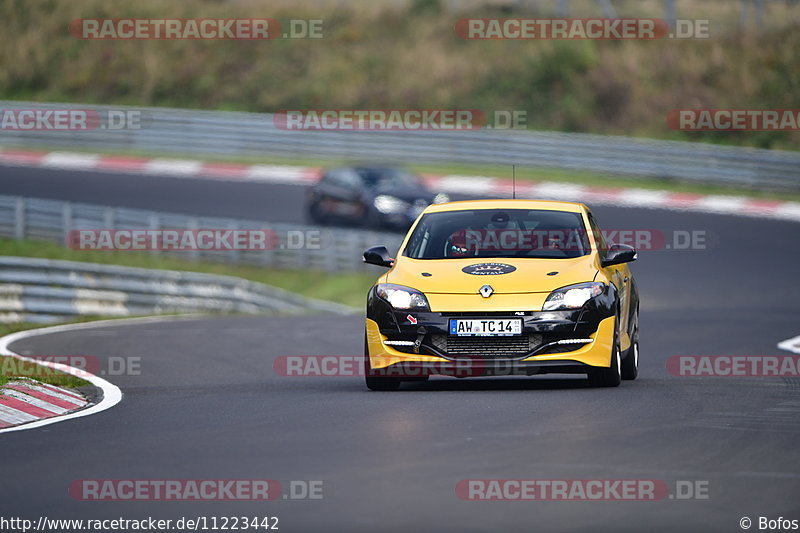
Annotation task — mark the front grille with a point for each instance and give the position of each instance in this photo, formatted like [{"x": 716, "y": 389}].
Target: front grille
[{"x": 486, "y": 347}]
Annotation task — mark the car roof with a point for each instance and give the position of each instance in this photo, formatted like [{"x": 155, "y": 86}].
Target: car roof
[{"x": 545, "y": 205}]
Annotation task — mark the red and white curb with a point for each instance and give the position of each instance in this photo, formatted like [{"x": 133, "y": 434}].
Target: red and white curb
[
  {"x": 110, "y": 395},
  {"x": 160, "y": 166},
  {"x": 643, "y": 198},
  {"x": 25, "y": 401},
  {"x": 477, "y": 185},
  {"x": 26, "y": 405}
]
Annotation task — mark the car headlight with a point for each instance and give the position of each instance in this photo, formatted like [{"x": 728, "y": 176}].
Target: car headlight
[
  {"x": 441, "y": 198},
  {"x": 389, "y": 204},
  {"x": 573, "y": 296},
  {"x": 401, "y": 297}
]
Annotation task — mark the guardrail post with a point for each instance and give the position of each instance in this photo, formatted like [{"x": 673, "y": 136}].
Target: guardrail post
[
  {"x": 66, "y": 221},
  {"x": 109, "y": 218},
  {"x": 235, "y": 256},
  {"x": 328, "y": 260},
  {"x": 154, "y": 223},
  {"x": 193, "y": 225},
  {"x": 19, "y": 219},
  {"x": 265, "y": 258}
]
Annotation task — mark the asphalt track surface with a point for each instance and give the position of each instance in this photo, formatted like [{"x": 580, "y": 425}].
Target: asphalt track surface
[
  {"x": 208, "y": 405},
  {"x": 271, "y": 202}
]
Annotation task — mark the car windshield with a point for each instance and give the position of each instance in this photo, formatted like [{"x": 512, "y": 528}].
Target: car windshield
[
  {"x": 498, "y": 233},
  {"x": 387, "y": 178}
]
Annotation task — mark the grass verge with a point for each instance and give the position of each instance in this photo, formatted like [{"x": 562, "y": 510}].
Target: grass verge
[
  {"x": 12, "y": 368},
  {"x": 347, "y": 288}
]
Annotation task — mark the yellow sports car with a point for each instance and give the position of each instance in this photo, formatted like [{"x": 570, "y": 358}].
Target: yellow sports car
[{"x": 501, "y": 287}]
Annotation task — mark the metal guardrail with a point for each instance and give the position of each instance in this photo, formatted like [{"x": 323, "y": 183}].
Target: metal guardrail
[
  {"x": 323, "y": 249},
  {"x": 180, "y": 131},
  {"x": 44, "y": 290},
  {"x": 41, "y": 290}
]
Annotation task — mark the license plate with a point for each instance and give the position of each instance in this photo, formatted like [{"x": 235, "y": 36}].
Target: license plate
[{"x": 485, "y": 327}]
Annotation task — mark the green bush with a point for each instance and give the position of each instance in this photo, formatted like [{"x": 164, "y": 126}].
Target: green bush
[{"x": 384, "y": 55}]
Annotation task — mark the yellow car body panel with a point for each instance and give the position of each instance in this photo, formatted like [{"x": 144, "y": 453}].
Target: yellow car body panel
[
  {"x": 597, "y": 353},
  {"x": 530, "y": 276},
  {"x": 450, "y": 290}
]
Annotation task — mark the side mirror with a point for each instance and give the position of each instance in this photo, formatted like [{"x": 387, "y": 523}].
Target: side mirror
[
  {"x": 378, "y": 255},
  {"x": 619, "y": 253}
]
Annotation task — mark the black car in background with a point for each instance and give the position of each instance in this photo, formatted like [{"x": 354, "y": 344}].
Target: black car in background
[{"x": 378, "y": 197}]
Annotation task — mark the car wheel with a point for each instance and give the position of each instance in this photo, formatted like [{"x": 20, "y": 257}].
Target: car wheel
[
  {"x": 380, "y": 383},
  {"x": 630, "y": 363},
  {"x": 608, "y": 377}
]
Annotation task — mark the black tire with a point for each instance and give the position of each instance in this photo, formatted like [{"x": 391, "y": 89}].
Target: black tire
[
  {"x": 379, "y": 383},
  {"x": 611, "y": 376},
  {"x": 630, "y": 363}
]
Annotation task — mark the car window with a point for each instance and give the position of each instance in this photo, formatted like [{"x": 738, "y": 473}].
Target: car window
[
  {"x": 498, "y": 233},
  {"x": 602, "y": 244},
  {"x": 387, "y": 178},
  {"x": 343, "y": 177}
]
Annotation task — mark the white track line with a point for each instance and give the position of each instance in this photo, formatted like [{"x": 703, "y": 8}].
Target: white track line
[
  {"x": 277, "y": 173},
  {"x": 112, "y": 395},
  {"x": 173, "y": 167},
  {"x": 790, "y": 345},
  {"x": 476, "y": 185},
  {"x": 70, "y": 160}
]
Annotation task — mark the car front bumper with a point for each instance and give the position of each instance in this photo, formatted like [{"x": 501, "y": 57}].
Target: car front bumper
[{"x": 425, "y": 359}]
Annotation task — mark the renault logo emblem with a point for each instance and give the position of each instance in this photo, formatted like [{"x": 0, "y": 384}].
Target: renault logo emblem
[{"x": 486, "y": 291}]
